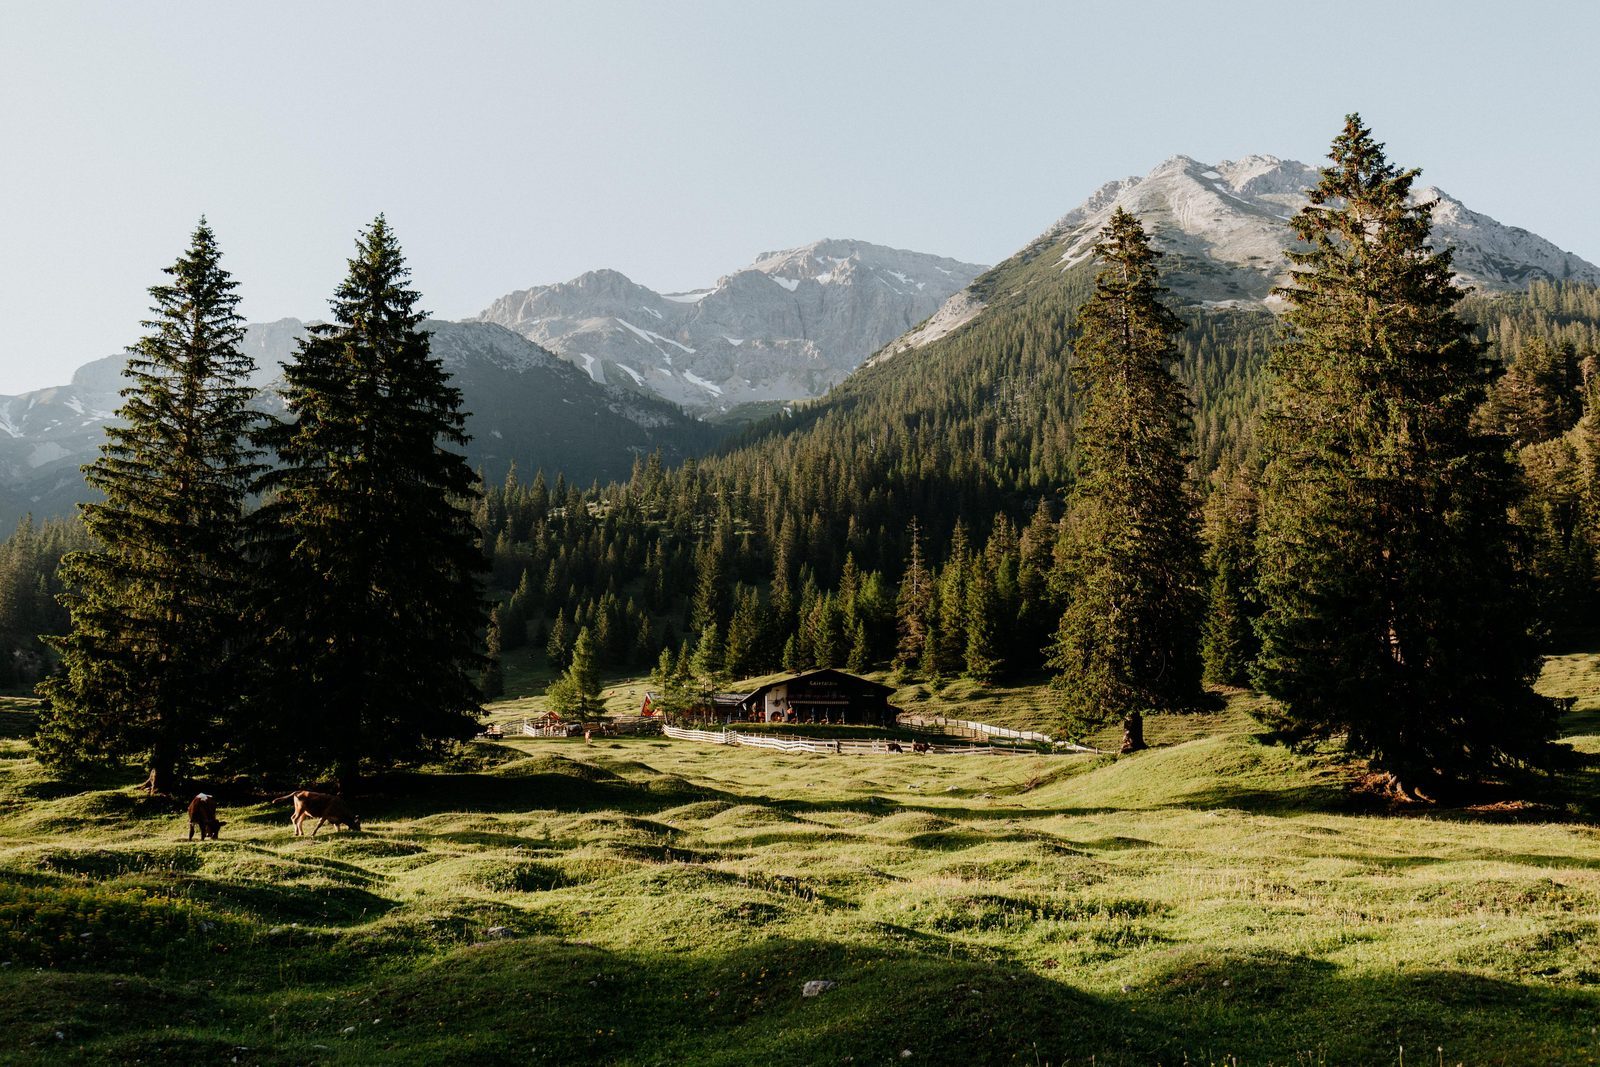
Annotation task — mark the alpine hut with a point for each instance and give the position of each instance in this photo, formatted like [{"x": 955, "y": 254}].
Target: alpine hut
[{"x": 824, "y": 696}]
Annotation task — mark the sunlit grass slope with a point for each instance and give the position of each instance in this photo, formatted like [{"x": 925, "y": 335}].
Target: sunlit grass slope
[{"x": 1214, "y": 900}]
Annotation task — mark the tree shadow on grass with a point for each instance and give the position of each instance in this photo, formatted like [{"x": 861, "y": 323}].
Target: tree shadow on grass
[
  {"x": 575, "y": 1003},
  {"x": 883, "y": 807},
  {"x": 17, "y": 724},
  {"x": 543, "y": 1000},
  {"x": 411, "y": 795},
  {"x": 274, "y": 902},
  {"x": 1275, "y": 1007},
  {"x": 1296, "y": 800}
]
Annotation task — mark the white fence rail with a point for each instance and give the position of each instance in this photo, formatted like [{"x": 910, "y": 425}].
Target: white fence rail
[
  {"x": 603, "y": 728},
  {"x": 530, "y": 730},
  {"x": 988, "y": 730},
  {"x": 817, "y": 744},
  {"x": 715, "y": 737}
]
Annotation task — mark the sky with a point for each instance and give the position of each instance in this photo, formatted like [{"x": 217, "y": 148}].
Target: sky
[{"x": 517, "y": 144}]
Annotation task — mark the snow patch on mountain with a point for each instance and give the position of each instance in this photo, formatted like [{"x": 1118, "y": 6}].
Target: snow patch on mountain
[
  {"x": 786, "y": 327},
  {"x": 1224, "y": 226},
  {"x": 694, "y": 379},
  {"x": 1224, "y": 229}
]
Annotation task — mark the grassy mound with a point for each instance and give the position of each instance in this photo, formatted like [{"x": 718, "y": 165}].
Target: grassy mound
[{"x": 1213, "y": 900}]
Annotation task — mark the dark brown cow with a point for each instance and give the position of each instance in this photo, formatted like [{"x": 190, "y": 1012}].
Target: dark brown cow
[
  {"x": 324, "y": 807},
  {"x": 203, "y": 813}
]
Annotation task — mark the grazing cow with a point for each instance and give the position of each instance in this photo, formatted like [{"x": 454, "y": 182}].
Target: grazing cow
[
  {"x": 921, "y": 746},
  {"x": 203, "y": 813},
  {"x": 894, "y": 746},
  {"x": 324, "y": 807}
]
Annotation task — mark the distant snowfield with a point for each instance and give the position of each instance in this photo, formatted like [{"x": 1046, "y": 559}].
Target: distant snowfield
[{"x": 693, "y": 378}]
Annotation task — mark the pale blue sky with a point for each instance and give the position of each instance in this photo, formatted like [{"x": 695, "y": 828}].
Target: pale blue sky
[{"x": 513, "y": 144}]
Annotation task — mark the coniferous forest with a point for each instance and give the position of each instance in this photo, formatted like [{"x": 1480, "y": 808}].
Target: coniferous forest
[
  {"x": 929, "y": 514},
  {"x": 799, "y": 534},
  {"x": 1084, "y": 483},
  {"x": 335, "y": 628}
]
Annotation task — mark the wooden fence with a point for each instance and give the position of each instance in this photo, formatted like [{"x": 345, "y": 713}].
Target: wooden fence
[
  {"x": 837, "y": 747},
  {"x": 558, "y": 730},
  {"x": 603, "y": 728},
  {"x": 988, "y": 730}
]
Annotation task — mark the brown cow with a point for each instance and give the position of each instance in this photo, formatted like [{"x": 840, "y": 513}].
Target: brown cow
[
  {"x": 324, "y": 807},
  {"x": 203, "y": 813}
]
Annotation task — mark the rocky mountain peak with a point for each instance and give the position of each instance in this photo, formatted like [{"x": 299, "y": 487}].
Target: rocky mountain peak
[
  {"x": 783, "y": 328},
  {"x": 1224, "y": 224},
  {"x": 1224, "y": 228}
]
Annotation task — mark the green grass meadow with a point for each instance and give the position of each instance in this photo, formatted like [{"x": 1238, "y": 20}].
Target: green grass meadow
[{"x": 1216, "y": 900}]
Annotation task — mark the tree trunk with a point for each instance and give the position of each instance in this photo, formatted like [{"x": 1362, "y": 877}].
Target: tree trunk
[
  {"x": 162, "y": 780},
  {"x": 1133, "y": 733}
]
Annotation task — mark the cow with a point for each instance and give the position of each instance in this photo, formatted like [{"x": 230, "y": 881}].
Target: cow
[
  {"x": 203, "y": 813},
  {"x": 325, "y": 807}
]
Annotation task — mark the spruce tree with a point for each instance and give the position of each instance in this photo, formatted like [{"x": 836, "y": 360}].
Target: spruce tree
[
  {"x": 954, "y": 577},
  {"x": 860, "y": 658},
  {"x": 742, "y": 655},
  {"x": 1391, "y": 614},
  {"x": 493, "y": 682},
  {"x": 1128, "y": 641},
  {"x": 153, "y": 665},
  {"x": 708, "y": 665},
  {"x": 1538, "y": 397},
  {"x": 576, "y": 694},
  {"x": 374, "y": 553},
  {"x": 1228, "y": 644},
  {"x": 674, "y": 696},
  {"x": 558, "y": 645},
  {"x": 913, "y": 606},
  {"x": 983, "y": 659},
  {"x": 711, "y": 592},
  {"x": 1038, "y": 612}
]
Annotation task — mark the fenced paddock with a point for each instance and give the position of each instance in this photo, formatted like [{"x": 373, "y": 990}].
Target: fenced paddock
[
  {"x": 837, "y": 747},
  {"x": 604, "y": 728},
  {"x": 988, "y": 730}
]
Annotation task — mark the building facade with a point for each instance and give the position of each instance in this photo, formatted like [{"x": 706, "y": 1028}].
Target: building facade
[{"x": 824, "y": 696}]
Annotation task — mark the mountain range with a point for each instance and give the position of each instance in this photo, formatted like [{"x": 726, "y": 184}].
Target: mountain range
[
  {"x": 785, "y": 328},
  {"x": 526, "y": 407},
  {"x": 1224, "y": 230},
  {"x": 581, "y": 377}
]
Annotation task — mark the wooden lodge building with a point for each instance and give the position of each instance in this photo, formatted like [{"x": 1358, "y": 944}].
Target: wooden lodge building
[{"x": 824, "y": 696}]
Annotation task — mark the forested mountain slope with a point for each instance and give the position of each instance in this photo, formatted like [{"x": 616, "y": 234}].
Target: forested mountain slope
[
  {"x": 526, "y": 407},
  {"x": 801, "y": 528}
]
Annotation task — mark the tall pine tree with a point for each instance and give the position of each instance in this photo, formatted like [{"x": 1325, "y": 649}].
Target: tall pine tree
[
  {"x": 375, "y": 563},
  {"x": 152, "y": 664},
  {"x": 1391, "y": 614},
  {"x": 1228, "y": 644},
  {"x": 576, "y": 694},
  {"x": 912, "y": 606},
  {"x": 1128, "y": 640}
]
